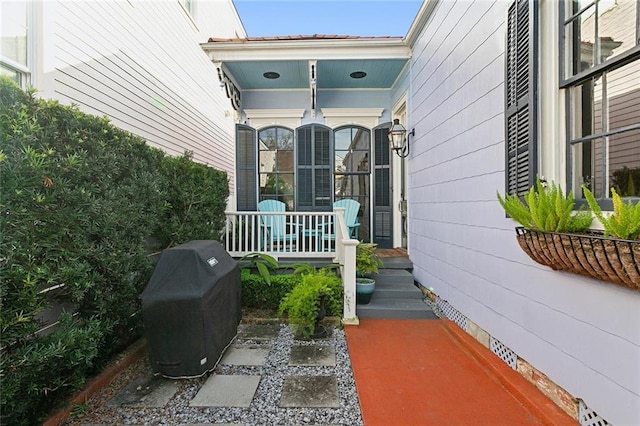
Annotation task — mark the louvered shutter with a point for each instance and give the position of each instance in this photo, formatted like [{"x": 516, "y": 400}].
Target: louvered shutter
[
  {"x": 313, "y": 176},
  {"x": 246, "y": 169},
  {"x": 521, "y": 97},
  {"x": 383, "y": 213}
]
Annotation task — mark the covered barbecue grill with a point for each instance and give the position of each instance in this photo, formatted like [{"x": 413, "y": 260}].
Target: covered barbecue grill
[{"x": 191, "y": 308}]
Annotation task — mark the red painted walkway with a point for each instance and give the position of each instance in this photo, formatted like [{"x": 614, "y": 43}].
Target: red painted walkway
[{"x": 430, "y": 372}]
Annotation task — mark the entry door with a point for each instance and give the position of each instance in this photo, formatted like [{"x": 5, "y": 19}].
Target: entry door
[{"x": 383, "y": 187}]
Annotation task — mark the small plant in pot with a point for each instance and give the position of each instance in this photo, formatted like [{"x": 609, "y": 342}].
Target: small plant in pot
[
  {"x": 367, "y": 263},
  {"x": 318, "y": 294}
]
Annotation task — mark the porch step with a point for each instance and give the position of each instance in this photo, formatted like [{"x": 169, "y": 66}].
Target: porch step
[
  {"x": 395, "y": 297},
  {"x": 397, "y": 263}
]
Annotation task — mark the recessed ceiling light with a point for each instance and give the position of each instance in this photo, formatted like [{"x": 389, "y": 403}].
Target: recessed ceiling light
[
  {"x": 271, "y": 75},
  {"x": 358, "y": 74}
]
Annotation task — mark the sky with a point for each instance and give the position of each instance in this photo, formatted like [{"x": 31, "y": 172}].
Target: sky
[{"x": 327, "y": 17}]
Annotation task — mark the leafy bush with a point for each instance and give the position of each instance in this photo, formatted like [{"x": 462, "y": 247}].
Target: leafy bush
[
  {"x": 81, "y": 203},
  {"x": 624, "y": 222},
  {"x": 70, "y": 352},
  {"x": 262, "y": 262},
  {"x": 367, "y": 261},
  {"x": 256, "y": 293},
  {"x": 546, "y": 209},
  {"x": 196, "y": 200},
  {"x": 303, "y": 302}
]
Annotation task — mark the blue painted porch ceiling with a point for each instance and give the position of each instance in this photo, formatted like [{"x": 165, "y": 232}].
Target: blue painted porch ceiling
[{"x": 332, "y": 74}]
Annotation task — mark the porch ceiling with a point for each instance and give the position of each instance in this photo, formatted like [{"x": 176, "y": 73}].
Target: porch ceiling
[{"x": 382, "y": 59}]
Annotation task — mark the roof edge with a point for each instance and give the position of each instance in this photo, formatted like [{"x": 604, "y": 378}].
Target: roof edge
[{"x": 420, "y": 21}]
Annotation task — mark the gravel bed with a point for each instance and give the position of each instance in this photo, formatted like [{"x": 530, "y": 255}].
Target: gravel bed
[{"x": 264, "y": 409}]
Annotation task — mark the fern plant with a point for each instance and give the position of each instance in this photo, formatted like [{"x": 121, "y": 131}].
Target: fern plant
[
  {"x": 303, "y": 302},
  {"x": 624, "y": 222},
  {"x": 546, "y": 209}
]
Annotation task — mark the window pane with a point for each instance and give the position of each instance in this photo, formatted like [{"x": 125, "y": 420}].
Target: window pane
[
  {"x": 268, "y": 161},
  {"x": 617, "y": 27},
  {"x": 580, "y": 38},
  {"x": 342, "y": 139},
  {"x": 586, "y": 108},
  {"x": 624, "y": 163},
  {"x": 284, "y": 139},
  {"x": 12, "y": 74},
  {"x": 623, "y": 96},
  {"x": 588, "y": 167},
  {"x": 14, "y": 30}
]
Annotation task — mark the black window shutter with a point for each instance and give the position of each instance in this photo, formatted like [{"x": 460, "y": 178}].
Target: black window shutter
[
  {"x": 246, "y": 169},
  {"x": 313, "y": 185},
  {"x": 521, "y": 96}
]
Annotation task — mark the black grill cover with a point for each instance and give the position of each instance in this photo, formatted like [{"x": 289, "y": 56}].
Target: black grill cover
[{"x": 191, "y": 308}]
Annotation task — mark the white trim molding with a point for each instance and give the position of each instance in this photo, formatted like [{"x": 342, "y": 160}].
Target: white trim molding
[
  {"x": 291, "y": 117},
  {"x": 367, "y": 117}
]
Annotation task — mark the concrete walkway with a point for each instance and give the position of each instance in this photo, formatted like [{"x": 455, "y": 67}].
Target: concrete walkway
[{"x": 429, "y": 372}]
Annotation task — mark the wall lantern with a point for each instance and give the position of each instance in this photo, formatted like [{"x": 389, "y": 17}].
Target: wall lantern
[{"x": 399, "y": 138}]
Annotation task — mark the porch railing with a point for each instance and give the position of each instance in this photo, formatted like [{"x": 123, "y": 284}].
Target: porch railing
[{"x": 297, "y": 235}]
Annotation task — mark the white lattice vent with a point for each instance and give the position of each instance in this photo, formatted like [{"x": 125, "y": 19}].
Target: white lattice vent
[
  {"x": 453, "y": 314},
  {"x": 588, "y": 417},
  {"x": 503, "y": 352}
]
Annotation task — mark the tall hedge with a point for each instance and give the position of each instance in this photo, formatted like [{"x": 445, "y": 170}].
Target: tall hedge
[{"x": 82, "y": 206}]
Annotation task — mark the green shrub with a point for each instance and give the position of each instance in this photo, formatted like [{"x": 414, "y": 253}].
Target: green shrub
[
  {"x": 624, "y": 222},
  {"x": 27, "y": 383},
  {"x": 546, "y": 209},
  {"x": 262, "y": 262},
  {"x": 303, "y": 302},
  {"x": 81, "y": 203},
  {"x": 256, "y": 293},
  {"x": 196, "y": 201}
]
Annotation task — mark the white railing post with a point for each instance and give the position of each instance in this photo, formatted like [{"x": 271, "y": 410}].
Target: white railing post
[
  {"x": 346, "y": 257},
  {"x": 349, "y": 281}
]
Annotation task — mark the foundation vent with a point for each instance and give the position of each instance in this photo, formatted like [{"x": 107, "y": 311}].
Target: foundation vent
[
  {"x": 452, "y": 313},
  {"x": 503, "y": 352},
  {"x": 588, "y": 417}
]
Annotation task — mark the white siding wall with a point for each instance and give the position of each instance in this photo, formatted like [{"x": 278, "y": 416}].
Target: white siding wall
[
  {"x": 583, "y": 333},
  {"x": 140, "y": 64}
]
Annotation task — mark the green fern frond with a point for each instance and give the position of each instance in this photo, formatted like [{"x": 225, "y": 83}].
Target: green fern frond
[{"x": 546, "y": 209}]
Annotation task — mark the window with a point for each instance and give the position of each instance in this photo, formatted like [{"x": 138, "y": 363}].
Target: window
[
  {"x": 276, "y": 167},
  {"x": 14, "y": 33},
  {"x": 601, "y": 69},
  {"x": 520, "y": 97}
]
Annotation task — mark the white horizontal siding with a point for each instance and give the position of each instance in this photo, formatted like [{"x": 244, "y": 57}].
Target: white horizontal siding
[
  {"x": 140, "y": 64},
  {"x": 583, "y": 333}
]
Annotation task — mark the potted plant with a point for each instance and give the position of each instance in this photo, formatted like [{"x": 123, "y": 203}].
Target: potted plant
[
  {"x": 319, "y": 293},
  {"x": 367, "y": 263},
  {"x": 553, "y": 235}
]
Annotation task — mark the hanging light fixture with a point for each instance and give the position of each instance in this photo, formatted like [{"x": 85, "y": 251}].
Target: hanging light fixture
[{"x": 399, "y": 139}]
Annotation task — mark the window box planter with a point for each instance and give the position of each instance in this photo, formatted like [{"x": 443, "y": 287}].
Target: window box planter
[{"x": 590, "y": 254}]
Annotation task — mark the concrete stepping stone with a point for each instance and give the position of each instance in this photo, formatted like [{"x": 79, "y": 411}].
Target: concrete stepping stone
[
  {"x": 146, "y": 391},
  {"x": 246, "y": 355},
  {"x": 310, "y": 391},
  {"x": 313, "y": 356},
  {"x": 226, "y": 391},
  {"x": 259, "y": 332}
]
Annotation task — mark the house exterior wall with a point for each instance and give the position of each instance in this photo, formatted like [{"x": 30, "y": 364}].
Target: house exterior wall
[
  {"x": 140, "y": 64},
  {"x": 582, "y": 333}
]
